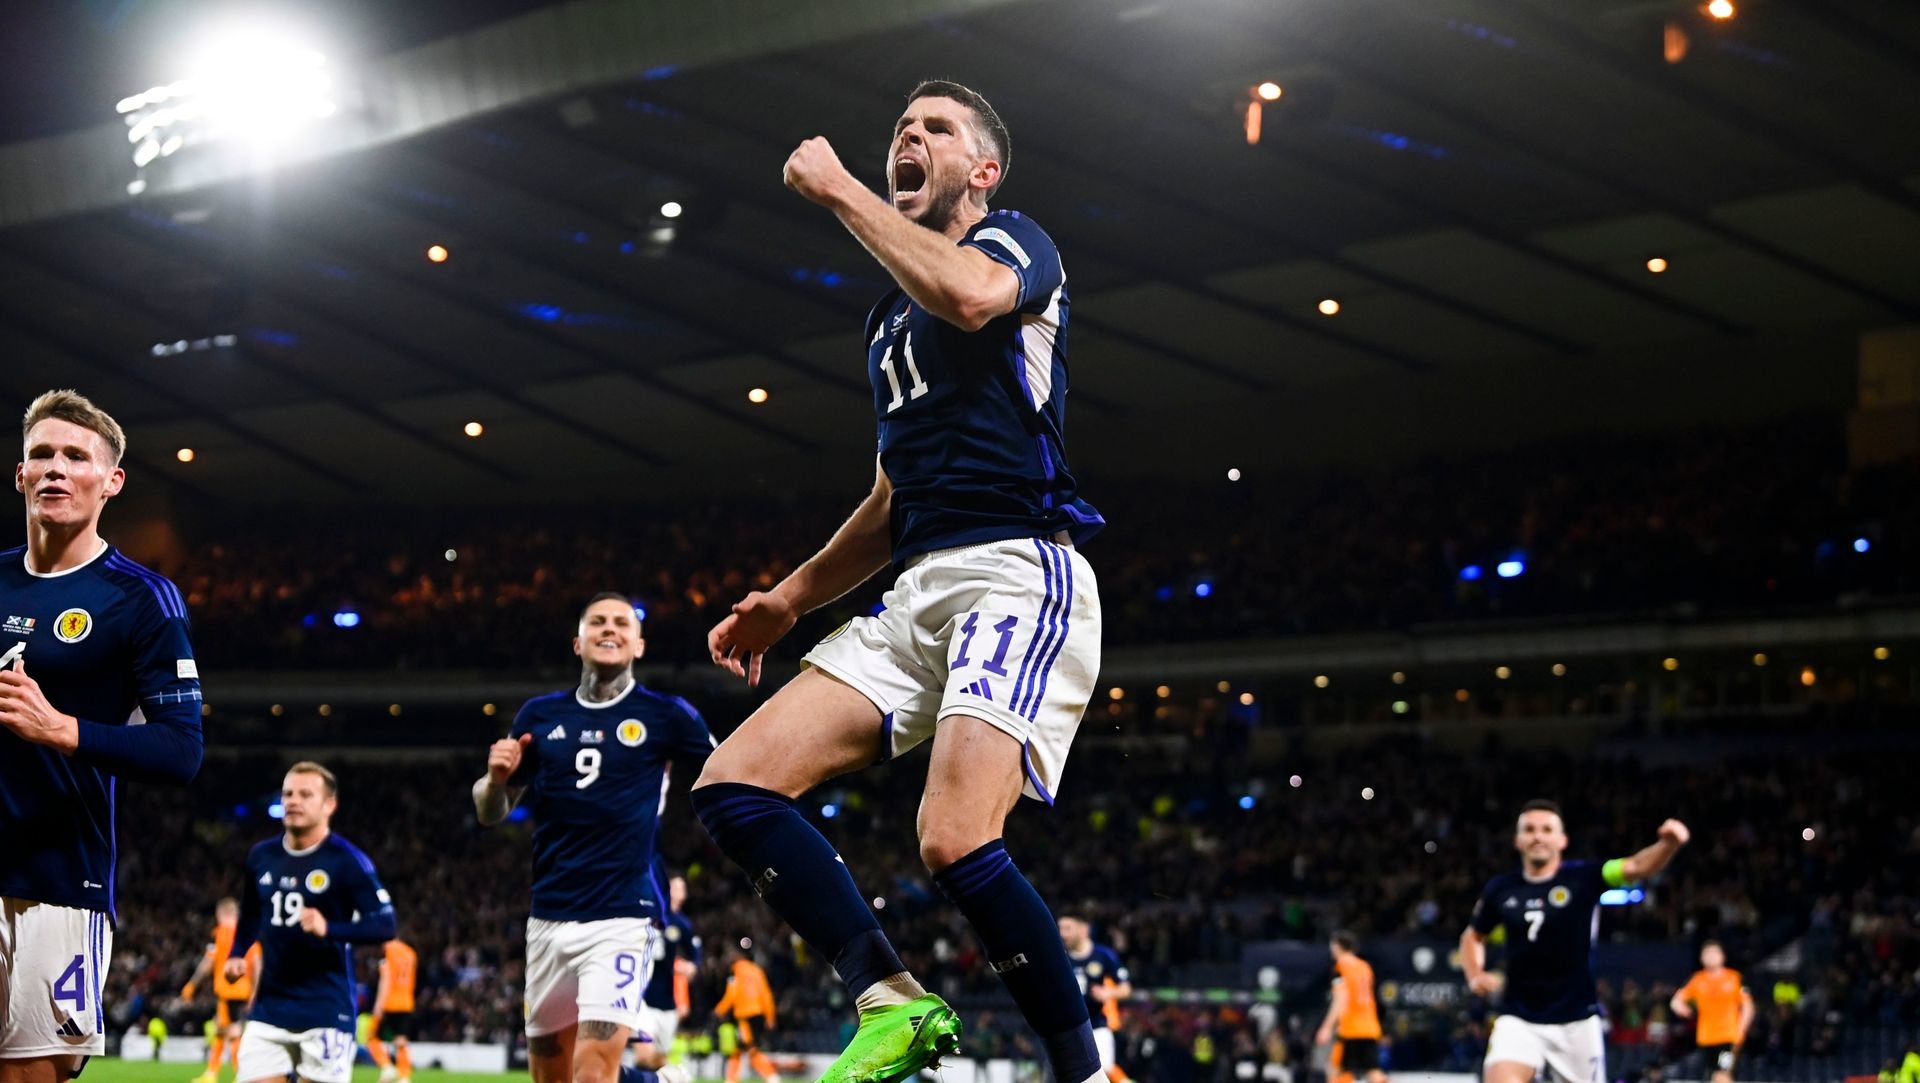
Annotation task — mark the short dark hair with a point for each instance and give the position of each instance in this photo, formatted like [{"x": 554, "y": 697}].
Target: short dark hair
[
  {"x": 1705, "y": 944},
  {"x": 1343, "y": 940},
  {"x": 607, "y": 596},
  {"x": 990, "y": 128},
  {"x": 1542, "y": 804},
  {"x": 308, "y": 767}
]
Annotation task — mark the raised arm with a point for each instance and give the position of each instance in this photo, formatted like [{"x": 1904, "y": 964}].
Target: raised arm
[
  {"x": 961, "y": 286},
  {"x": 493, "y": 797},
  {"x": 861, "y": 547},
  {"x": 1655, "y": 857}
]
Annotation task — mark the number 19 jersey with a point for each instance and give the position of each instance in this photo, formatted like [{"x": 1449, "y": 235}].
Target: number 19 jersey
[
  {"x": 595, "y": 776},
  {"x": 973, "y": 423}
]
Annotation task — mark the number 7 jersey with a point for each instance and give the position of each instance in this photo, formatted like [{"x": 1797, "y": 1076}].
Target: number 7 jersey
[
  {"x": 973, "y": 423},
  {"x": 1549, "y": 927},
  {"x": 596, "y": 778}
]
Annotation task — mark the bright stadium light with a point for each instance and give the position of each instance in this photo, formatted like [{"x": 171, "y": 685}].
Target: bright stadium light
[
  {"x": 250, "y": 82},
  {"x": 1509, "y": 569},
  {"x": 671, "y": 209}
]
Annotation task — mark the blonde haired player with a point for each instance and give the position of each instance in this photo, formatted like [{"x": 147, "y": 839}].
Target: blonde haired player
[{"x": 89, "y": 642}]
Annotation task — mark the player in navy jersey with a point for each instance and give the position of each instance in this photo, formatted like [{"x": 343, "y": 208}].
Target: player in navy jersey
[
  {"x": 1104, "y": 982},
  {"x": 591, "y": 765},
  {"x": 310, "y": 897},
  {"x": 1549, "y": 1014},
  {"x": 90, "y": 645},
  {"x": 989, "y": 642},
  {"x": 665, "y": 999}
]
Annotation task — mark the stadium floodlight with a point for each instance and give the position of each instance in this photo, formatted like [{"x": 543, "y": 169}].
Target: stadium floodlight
[{"x": 249, "y": 83}]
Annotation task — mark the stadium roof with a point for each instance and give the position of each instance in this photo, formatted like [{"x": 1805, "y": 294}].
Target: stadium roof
[{"x": 1480, "y": 185}]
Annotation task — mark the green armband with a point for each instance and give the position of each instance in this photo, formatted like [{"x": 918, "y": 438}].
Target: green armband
[{"x": 1615, "y": 872}]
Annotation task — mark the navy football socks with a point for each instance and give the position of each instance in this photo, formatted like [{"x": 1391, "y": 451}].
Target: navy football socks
[
  {"x": 796, "y": 871},
  {"x": 1023, "y": 945}
]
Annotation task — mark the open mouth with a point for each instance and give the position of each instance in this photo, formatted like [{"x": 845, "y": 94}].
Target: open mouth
[{"x": 909, "y": 176}]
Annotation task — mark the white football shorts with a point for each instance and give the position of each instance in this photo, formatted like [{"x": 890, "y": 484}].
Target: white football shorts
[
  {"x": 660, "y": 1024},
  {"x": 580, "y": 971},
  {"x": 323, "y": 1054},
  {"x": 53, "y": 964},
  {"x": 1007, "y": 632},
  {"x": 1576, "y": 1051}
]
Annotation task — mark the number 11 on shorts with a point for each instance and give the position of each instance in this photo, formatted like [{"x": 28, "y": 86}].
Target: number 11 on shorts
[{"x": 997, "y": 664}]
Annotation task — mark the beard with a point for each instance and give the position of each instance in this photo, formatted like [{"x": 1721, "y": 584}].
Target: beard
[{"x": 942, "y": 203}]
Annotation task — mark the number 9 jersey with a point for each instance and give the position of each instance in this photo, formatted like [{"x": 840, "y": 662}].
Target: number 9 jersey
[
  {"x": 595, "y": 777},
  {"x": 973, "y": 423}
]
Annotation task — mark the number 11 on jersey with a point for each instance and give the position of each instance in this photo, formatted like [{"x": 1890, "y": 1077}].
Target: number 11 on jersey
[{"x": 919, "y": 386}]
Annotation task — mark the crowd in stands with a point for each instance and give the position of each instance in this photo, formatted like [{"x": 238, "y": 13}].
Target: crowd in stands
[
  {"x": 1181, "y": 858},
  {"x": 1708, "y": 521}
]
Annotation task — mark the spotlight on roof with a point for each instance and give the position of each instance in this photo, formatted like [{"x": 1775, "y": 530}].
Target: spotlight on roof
[
  {"x": 1329, "y": 307},
  {"x": 1721, "y": 9},
  {"x": 1269, "y": 92},
  {"x": 253, "y": 82},
  {"x": 437, "y": 253},
  {"x": 671, "y": 209},
  {"x": 1657, "y": 265}
]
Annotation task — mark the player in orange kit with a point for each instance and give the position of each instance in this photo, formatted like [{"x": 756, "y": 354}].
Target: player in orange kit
[
  {"x": 1354, "y": 1016},
  {"x": 231, "y": 996},
  {"x": 749, "y": 997},
  {"x": 393, "y": 1011},
  {"x": 1718, "y": 997}
]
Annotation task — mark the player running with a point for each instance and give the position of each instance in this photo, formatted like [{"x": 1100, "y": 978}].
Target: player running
[
  {"x": 90, "y": 642},
  {"x": 591, "y": 764},
  {"x": 1104, "y": 982},
  {"x": 311, "y": 896},
  {"x": 1718, "y": 996},
  {"x": 393, "y": 1011},
  {"x": 1354, "y": 1016},
  {"x": 990, "y": 640},
  {"x": 230, "y": 997},
  {"x": 1550, "y": 1011}
]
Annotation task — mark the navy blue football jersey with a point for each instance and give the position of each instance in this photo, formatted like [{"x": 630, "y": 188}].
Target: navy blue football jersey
[
  {"x": 107, "y": 642},
  {"x": 1098, "y": 966},
  {"x": 973, "y": 424},
  {"x": 595, "y": 777},
  {"x": 306, "y": 981},
  {"x": 1550, "y": 926},
  {"x": 677, "y": 941}
]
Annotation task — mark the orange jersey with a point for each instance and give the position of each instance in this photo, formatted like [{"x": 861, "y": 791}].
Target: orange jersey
[
  {"x": 217, "y": 953},
  {"x": 402, "y": 967},
  {"x": 1362, "y": 1017},
  {"x": 1716, "y": 1001},
  {"x": 748, "y": 993}
]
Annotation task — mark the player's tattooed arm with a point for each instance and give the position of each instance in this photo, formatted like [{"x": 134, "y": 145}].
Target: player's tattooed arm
[
  {"x": 598, "y": 1030},
  {"x": 492, "y": 797}
]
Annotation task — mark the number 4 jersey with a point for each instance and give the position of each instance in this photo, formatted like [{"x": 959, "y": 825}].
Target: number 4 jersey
[
  {"x": 306, "y": 981},
  {"x": 1549, "y": 926},
  {"x": 973, "y": 423},
  {"x": 595, "y": 776}
]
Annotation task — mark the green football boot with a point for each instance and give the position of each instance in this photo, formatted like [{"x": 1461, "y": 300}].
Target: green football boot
[{"x": 894, "y": 1043}]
